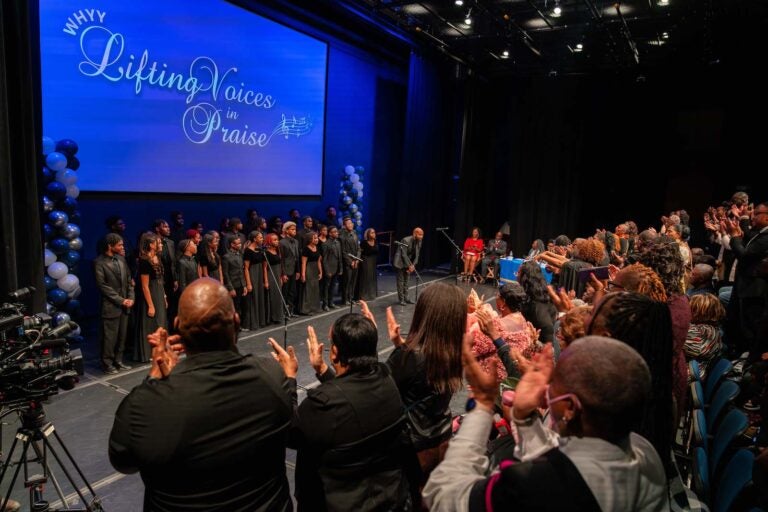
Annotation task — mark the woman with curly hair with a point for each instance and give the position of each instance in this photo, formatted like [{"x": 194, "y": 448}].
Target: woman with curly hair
[
  {"x": 663, "y": 257},
  {"x": 538, "y": 309}
]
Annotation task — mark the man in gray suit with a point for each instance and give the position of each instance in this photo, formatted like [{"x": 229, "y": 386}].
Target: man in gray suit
[
  {"x": 496, "y": 248},
  {"x": 405, "y": 261},
  {"x": 114, "y": 281}
]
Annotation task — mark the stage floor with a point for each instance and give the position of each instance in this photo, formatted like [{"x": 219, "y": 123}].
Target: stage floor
[{"x": 83, "y": 416}]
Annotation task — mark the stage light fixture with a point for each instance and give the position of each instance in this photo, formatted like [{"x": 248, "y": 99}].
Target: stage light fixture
[
  {"x": 665, "y": 35},
  {"x": 459, "y": 2},
  {"x": 468, "y": 20},
  {"x": 557, "y": 11},
  {"x": 664, "y": 3},
  {"x": 579, "y": 47},
  {"x": 505, "y": 54}
]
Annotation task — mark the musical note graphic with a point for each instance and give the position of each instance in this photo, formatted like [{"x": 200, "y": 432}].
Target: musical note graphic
[{"x": 296, "y": 127}]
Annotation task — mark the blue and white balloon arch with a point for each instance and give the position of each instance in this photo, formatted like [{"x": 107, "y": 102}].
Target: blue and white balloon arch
[{"x": 351, "y": 191}]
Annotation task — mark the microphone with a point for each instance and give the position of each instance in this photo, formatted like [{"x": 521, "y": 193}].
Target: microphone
[
  {"x": 354, "y": 257},
  {"x": 446, "y": 228},
  {"x": 62, "y": 330}
]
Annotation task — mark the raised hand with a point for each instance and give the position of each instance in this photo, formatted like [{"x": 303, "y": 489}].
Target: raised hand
[
  {"x": 393, "y": 329},
  {"x": 529, "y": 393},
  {"x": 485, "y": 386},
  {"x": 286, "y": 359},
  {"x": 366, "y": 312},
  {"x": 165, "y": 353},
  {"x": 560, "y": 299},
  {"x": 315, "y": 350},
  {"x": 486, "y": 323}
]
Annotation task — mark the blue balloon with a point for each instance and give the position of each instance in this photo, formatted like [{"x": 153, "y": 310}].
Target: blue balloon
[
  {"x": 347, "y": 200},
  {"x": 56, "y": 161},
  {"x": 73, "y": 163},
  {"x": 359, "y": 169},
  {"x": 48, "y": 175},
  {"x": 57, "y": 296},
  {"x": 50, "y": 283},
  {"x": 59, "y": 245},
  {"x": 47, "y": 231},
  {"x": 75, "y": 217},
  {"x": 69, "y": 204},
  {"x": 73, "y": 307},
  {"x": 58, "y": 218},
  {"x": 67, "y": 146},
  {"x": 49, "y": 145},
  {"x": 56, "y": 190},
  {"x": 61, "y": 317},
  {"x": 353, "y": 208},
  {"x": 70, "y": 231},
  {"x": 71, "y": 258}
]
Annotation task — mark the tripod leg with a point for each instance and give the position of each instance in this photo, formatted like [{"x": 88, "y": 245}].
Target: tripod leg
[
  {"x": 16, "y": 472},
  {"x": 41, "y": 457},
  {"x": 67, "y": 474}
]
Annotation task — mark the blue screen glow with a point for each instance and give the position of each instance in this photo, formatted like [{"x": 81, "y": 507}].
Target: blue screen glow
[{"x": 183, "y": 96}]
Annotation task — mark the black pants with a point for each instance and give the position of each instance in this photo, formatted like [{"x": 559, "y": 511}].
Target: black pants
[
  {"x": 402, "y": 283},
  {"x": 290, "y": 293},
  {"x": 348, "y": 280},
  {"x": 113, "y": 334},
  {"x": 326, "y": 289},
  {"x": 238, "y": 301}
]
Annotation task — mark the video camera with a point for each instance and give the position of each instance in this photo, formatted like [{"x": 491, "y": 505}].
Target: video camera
[{"x": 35, "y": 358}]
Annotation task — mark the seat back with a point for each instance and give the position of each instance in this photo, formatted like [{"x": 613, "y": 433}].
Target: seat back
[
  {"x": 737, "y": 475},
  {"x": 697, "y": 394},
  {"x": 694, "y": 370},
  {"x": 721, "y": 368},
  {"x": 699, "y": 429},
  {"x": 732, "y": 426},
  {"x": 700, "y": 474},
  {"x": 724, "y": 395}
]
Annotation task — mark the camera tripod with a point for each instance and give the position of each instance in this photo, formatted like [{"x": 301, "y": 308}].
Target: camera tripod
[{"x": 35, "y": 432}]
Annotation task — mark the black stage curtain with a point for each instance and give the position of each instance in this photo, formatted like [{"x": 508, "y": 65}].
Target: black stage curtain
[
  {"x": 21, "y": 254},
  {"x": 426, "y": 192},
  {"x": 553, "y": 155}
]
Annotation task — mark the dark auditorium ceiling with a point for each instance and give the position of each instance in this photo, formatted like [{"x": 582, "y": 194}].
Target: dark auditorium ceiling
[{"x": 587, "y": 36}]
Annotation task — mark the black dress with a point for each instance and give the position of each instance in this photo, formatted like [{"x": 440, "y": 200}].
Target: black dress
[
  {"x": 212, "y": 262},
  {"x": 310, "y": 291},
  {"x": 275, "y": 309},
  {"x": 145, "y": 324},
  {"x": 367, "y": 288},
  {"x": 255, "y": 308}
]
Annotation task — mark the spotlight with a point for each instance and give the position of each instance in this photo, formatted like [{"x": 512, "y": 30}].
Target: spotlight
[
  {"x": 505, "y": 54},
  {"x": 665, "y": 35},
  {"x": 663, "y": 3},
  {"x": 459, "y": 2},
  {"x": 467, "y": 20},
  {"x": 579, "y": 46},
  {"x": 557, "y": 11}
]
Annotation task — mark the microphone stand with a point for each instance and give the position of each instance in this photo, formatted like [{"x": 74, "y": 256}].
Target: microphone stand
[
  {"x": 353, "y": 281},
  {"x": 408, "y": 262},
  {"x": 458, "y": 253},
  {"x": 282, "y": 299}
]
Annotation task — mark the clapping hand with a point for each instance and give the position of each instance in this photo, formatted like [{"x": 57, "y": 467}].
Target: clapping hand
[
  {"x": 529, "y": 393},
  {"x": 165, "y": 352},
  {"x": 485, "y": 386},
  {"x": 486, "y": 323},
  {"x": 315, "y": 350},
  {"x": 393, "y": 329},
  {"x": 366, "y": 312},
  {"x": 560, "y": 299},
  {"x": 286, "y": 359}
]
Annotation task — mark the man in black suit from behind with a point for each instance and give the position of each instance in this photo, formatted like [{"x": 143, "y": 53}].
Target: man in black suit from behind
[
  {"x": 207, "y": 433},
  {"x": 405, "y": 261},
  {"x": 113, "y": 278}
]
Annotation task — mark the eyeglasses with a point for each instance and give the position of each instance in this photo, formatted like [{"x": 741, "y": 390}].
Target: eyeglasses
[
  {"x": 613, "y": 286},
  {"x": 559, "y": 398}
]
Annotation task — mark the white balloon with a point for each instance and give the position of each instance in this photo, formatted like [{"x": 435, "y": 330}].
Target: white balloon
[
  {"x": 57, "y": 270},
  {"x": 66, "y": 177},
  {"x": 354, "y": 178},
  {"x": 68, "y": 283},
  {"x": 359, "y": 194},
  {"x": 349, "y": 170},
  {"x": 73, "y": 191},
  {"x": 358, "y": 186},
  {"x": 75, "y": 293},
  {"x": 50, "y": 257}
]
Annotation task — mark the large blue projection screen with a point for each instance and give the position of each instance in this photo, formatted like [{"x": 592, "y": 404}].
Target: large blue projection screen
[{"x": 183, "y": 96}]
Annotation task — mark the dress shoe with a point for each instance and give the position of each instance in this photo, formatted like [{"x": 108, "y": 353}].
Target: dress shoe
[
  {"x": 326, "y": 308},
  {"x": 122, "y": 366},
  {"x": 409, "y": 301},
  {"x": 109, "y": 370},
  {"x": 403, "y": 303}
]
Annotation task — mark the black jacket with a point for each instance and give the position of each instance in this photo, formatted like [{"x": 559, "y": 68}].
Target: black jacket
[
  {"x": 114, "y": 287},
  {"x": 211, "y": 436},
  {"x": 749, "y": 254},
  {"x": 353, "y": 452},
  {"x": 331, "y": 253},
  {"x": 349, "y": 245},
  {"x": 233, "y": 269}
]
